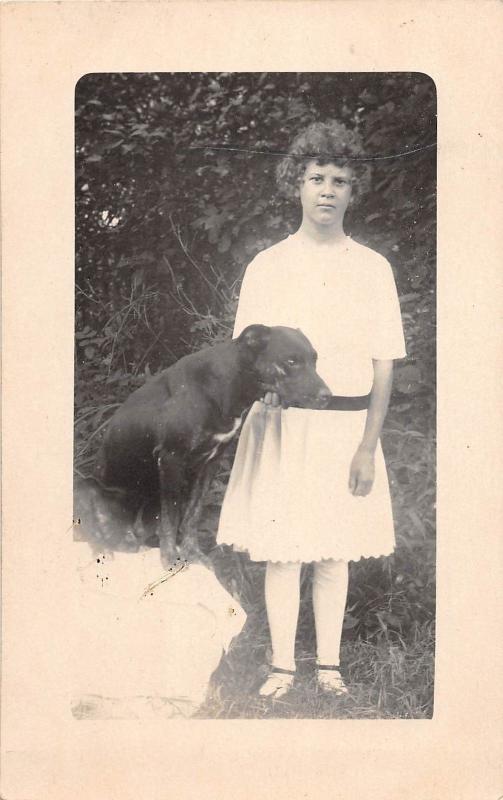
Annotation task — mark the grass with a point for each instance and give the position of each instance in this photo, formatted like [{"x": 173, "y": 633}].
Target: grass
[
  {"x": 388, "y": 677},
  {"x": 385, "y": 681}
]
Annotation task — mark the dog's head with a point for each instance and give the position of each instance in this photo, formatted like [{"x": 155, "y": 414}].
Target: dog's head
[{"x": 284, "y": 361}]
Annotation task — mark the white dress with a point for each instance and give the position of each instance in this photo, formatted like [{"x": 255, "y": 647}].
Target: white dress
[{"x": 288, "y": 497}]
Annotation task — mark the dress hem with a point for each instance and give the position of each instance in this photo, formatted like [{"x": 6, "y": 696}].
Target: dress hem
[{"x": 317, "y": 557}]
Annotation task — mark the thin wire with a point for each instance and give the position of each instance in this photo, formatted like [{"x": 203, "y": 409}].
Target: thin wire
[{"x": 308, "y": 155}]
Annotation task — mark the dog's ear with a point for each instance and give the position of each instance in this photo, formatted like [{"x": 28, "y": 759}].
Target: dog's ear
[{"x": 255, "y": 337}]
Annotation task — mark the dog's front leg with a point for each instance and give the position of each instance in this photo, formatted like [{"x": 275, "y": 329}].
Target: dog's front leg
[
  {"x": 189, "y": 525},
  {"x": 170, "y": 497}
]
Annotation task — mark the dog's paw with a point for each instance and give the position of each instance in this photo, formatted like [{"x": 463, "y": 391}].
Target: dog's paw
[
  {"x": 170, "y": 558},
  {"x": 193, "y": 555}
]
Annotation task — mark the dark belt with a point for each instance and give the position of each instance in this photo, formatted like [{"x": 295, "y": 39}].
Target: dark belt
[{"x": 341, "y": 403}]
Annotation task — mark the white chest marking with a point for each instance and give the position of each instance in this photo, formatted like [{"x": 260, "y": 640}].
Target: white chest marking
[
  {"x": 220, "y": 438},
  {"x": 225, "y": 437}
]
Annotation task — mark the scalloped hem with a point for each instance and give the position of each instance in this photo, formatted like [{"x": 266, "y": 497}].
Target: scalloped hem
[{"x": 256, "y": 555}]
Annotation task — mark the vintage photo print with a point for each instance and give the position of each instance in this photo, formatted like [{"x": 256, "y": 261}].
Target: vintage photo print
[
  {"x": 280, "y": 618},
  {"x": 255, "y": 426}
]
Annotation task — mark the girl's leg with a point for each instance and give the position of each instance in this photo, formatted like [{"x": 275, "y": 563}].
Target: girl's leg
[
  {"x": 330, "y": 588},
  {"x": 282, "y": 597}
]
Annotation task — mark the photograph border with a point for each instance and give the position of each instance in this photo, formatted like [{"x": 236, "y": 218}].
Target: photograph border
[{"x": 46, "y": 754}]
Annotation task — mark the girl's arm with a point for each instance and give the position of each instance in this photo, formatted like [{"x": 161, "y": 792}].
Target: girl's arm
[{"x": 361, "y": 474}]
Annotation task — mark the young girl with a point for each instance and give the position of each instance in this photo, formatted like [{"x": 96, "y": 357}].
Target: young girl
[{"x": 309, "y": 485}]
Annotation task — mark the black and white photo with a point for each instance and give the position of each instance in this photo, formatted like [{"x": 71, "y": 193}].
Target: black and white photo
[{"x": 255, "y": 266}]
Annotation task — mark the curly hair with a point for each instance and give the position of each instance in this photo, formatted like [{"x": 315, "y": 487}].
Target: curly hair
[{"x": 328, "y": 142}]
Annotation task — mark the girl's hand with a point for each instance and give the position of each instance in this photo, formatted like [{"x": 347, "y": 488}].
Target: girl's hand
[
  {"x": 271, "y": 399},
  {"x": 361, "y": 473}
]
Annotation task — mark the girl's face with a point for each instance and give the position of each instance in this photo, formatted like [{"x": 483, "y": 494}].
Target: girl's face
[{"x": 325, "y": 193}]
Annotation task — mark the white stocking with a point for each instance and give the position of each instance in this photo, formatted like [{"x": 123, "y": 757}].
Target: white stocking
[
  {"x": 330, "y": 588},
  {"x": 282, "y": 597}
]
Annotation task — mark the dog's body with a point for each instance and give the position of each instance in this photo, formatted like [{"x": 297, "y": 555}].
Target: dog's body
[{"x": 161, "y": 446}]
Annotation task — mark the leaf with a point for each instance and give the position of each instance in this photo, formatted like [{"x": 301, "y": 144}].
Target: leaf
[
  {"x": 85, "y": 333},
  {"x": 406, "y": 298},
  {"x": 224, "y": 243},
  {"x": 416, "y": 521},
  {"x": 408, "y": 379},
  {"x": 390, "y": 619},
  {"x": 382, "y": 623}
]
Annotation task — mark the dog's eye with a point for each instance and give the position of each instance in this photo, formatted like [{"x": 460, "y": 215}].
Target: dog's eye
[{"x": 292, "y": 362}]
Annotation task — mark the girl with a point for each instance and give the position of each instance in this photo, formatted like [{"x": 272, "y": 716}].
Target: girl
[{"x": 309, "y": 485}]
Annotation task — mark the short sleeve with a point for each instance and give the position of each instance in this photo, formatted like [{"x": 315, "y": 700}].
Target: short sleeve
[
  {"x": 387, "y": 331},
  {"x": 252, "y": 308}
]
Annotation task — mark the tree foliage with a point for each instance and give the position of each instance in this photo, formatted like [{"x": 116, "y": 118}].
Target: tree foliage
[{"x": 165, "y": 222}]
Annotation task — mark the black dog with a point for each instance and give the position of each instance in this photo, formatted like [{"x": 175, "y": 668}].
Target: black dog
[{"x": 161, "y": 446}]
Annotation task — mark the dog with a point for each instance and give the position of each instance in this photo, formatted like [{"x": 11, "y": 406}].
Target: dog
[{"x": 162, "y": 446}]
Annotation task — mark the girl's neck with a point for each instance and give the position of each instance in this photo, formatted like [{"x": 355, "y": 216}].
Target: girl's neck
[{"x": 322, "y": 235}]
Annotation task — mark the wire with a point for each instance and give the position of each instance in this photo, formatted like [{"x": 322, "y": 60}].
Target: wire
[{"x": 335, "y": 157}]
